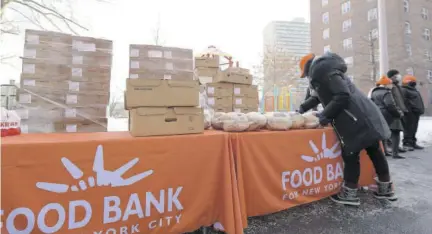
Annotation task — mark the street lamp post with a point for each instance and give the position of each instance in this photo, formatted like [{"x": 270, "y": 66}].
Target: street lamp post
[{"x": 382, "y": 32}]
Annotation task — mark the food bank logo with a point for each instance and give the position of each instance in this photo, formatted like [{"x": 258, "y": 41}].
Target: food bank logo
[
  {"x": 103, "y": 177},
  {"x": 325, "y": 152},
  {"x": 317, "y": 178}
]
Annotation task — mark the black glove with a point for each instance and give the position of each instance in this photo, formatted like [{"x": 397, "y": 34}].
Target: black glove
[
  {"x": 301, "y": 110},
  {"x": 324, "y": 121}
]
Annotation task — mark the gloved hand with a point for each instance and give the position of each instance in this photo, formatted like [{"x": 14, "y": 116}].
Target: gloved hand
[
  {"x": 324, "y": 121},
  {"x": 301, "y": 110}
]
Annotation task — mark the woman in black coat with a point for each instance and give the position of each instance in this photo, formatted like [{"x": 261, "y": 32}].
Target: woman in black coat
[
  {"x": 356, "y": 120},
  {"x": 382, "y": 96}
]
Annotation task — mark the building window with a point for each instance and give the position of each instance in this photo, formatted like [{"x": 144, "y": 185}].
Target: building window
[
  {"x": 373, "y": 14},
  {"x": 426, "y": 34},
  {"x": 425, "y": 13},
  {"x": 407, "y": 28},
  {"x": 373, "y": 34},
  {"x": 428, "y": 55},
  {"x": 349, "y": 61},
  {"x": 410, "y": 71},
  {"x": 326, "y": 34},
  {"x": 327, "y": 48},
  {"x": 346, "y": 7},
  {"x": 408, "y": 49},
  {"x": 406, "y": 5},
  {"x": 325, "y": 18},
  {"x": 347, "y": 44},
  {"x": 324, "y": 3},
  {"x": 429, "y": 75},
  {"x": 346, "y": 25}
]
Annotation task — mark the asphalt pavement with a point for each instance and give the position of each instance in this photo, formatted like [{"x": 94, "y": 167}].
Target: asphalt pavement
[{"x": 412, "y": 213}]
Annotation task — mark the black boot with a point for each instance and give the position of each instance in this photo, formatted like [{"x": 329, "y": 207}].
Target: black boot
[
  {"x": 402, "y": 150},
  {"x": 395, "y": 145},
  {"x": 346, "y": 196},
  {"x": 417, "y": 147},
  {"x": 385, "y": 191},
  {"x": 408, "y": 147}
]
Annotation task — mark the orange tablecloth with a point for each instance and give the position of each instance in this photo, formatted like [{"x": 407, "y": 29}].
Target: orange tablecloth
[
  {"x": 113, "y": 183},
  {"x": 279, "y": 170}
]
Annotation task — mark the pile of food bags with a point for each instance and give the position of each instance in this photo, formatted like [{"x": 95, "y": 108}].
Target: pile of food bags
[{"x": 254, "y": 121}]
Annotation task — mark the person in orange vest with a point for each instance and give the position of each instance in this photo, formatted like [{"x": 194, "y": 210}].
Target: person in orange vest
[
  {"x": 356, "y": 120},
  {"x": 415, "y": 105},
  {"x": 382, "y": 96}
]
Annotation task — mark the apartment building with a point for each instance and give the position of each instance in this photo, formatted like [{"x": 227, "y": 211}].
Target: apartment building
[{"x": 350, "y": 28}]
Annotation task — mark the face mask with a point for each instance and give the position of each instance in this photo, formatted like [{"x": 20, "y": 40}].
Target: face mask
[{"x": 398, "y": 78}]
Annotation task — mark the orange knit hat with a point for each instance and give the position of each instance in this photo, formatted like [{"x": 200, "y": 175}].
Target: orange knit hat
[
  {"x": 384, "y": 80},
  {"x": 408, "y": 78},
  {"x": 303, "y": 62}
]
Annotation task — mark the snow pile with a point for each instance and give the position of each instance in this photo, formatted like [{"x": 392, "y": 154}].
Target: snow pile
[{"x": 424, "y": 134}]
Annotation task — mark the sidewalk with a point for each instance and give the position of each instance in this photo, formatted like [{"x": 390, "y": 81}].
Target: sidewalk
[{"x": 411, "y": 214}]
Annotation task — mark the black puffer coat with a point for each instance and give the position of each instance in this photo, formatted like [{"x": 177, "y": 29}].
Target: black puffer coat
[
  {"x": 385, "y": 101},
  {"x": 356, "y": 119},
  {"x": 413, "y": 100}
]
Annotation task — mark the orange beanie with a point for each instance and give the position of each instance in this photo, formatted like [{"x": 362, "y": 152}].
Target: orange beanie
[
  {"x": 384, "y": 80},
  {"x": 303, "y": 62},
  {"x": 409, "y": 78}
]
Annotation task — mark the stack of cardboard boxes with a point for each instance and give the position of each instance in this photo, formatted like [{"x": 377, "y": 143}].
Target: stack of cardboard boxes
[
  {"x": 65, "y": 83},
  {"x": 161, "y": 93},
  {"x": 227, "y": 90}
]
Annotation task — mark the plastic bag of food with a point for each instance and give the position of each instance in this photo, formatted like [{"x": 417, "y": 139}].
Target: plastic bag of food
[
  {"x": 257, "y": 121},
  {"x": 298, "y": 121},
  {"x": 235, "y": 122},
  {"x": 278, "y": 121},
  {"x": 216, "y": 121},
  {"x": 311, "y": 120},
  {"x": 207, "y": 119}
]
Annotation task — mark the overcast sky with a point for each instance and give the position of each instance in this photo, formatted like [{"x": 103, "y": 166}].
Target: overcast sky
[{"x": 234, "y": 26}]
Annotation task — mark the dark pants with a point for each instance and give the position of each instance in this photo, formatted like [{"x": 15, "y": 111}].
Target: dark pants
[
  {"x": 352, "y": 165},
  {"x": 410, "y": 129},
  {"x": 394, "y": 141}
]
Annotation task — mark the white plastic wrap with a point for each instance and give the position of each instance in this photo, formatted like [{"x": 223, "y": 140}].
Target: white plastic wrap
[
  {"x": 235, "y": 122},
  {"x": 278, "y": 121},
  {"x": 311, "y": 120},
  {"x": 298, "y": 121},
  {"x": 208, "y": 111},
  {"x": 216, "y": 121},
  {"x": 257, "y": 121}
]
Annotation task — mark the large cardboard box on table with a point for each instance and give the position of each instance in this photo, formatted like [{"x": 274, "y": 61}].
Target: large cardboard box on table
[
  {"x": 154, "y": 121},
  {"x": 160, "y": 93},
  {"x": 207, "y": 62},
  {"x": 233, "y": 75},
  {"x": 96, "y": 125},
  {"x": 219, "y": 89},
  {"x": 157, "y": 62}
]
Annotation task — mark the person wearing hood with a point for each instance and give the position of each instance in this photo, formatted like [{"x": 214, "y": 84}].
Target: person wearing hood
[
  {"x": 396, "y": 77},
  {"x": 414, "y": 103},
  {"x": 356, "y": 120},
  {"x": 383, "y": 98}
]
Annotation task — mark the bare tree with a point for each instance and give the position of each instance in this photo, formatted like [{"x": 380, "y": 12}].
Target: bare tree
[
  {"x": 43, "y": 14},
  {"x": 113, "y": 105},
  {"x": 367, "y": 48},
  {"x": 278, "y": 68},
  {"x": 157, "y": 32}
]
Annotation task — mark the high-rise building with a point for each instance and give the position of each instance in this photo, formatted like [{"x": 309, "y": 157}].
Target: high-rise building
[
  {"x": 350, "y": 29},
  {"x": 285, "y": 42}
]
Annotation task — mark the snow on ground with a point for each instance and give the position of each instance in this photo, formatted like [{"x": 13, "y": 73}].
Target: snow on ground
[{"x": 424, "y": 134}]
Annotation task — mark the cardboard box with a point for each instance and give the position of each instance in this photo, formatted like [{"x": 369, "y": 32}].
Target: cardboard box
[
  {"x": 207, "y": 62},
  {"x": 50, "y": 54},
  {"x": 61, "y": 126},
  {"x": 242, "y": 90},
  {"x": 88, "y": 73},
  {"x": 91, "y": 45},
  {"x": 245, "y": 110},
  {"x": 36, "y": 37},
  {"x": 207, "y": 75},
  {"x": 160, "y": 93},
  {"x": 50, "y": 98},
  {"x": 163, "y": 75},
  {"x": 157, "y": 64},
  {"x": 39, "y": 70},
  {"x": 223, "y": 109},
  {"x": 243, "y": 102},
  {"x": 55, "y": 113},
  {"x": 154, "y": 121},
  {"x": 220, "y": 102},
  {"x": 219, "y": 89},
  {"x": 153, "y": 51},
  {"x": 96, "y": 60},
  {"x": 235, "y": 75}
]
